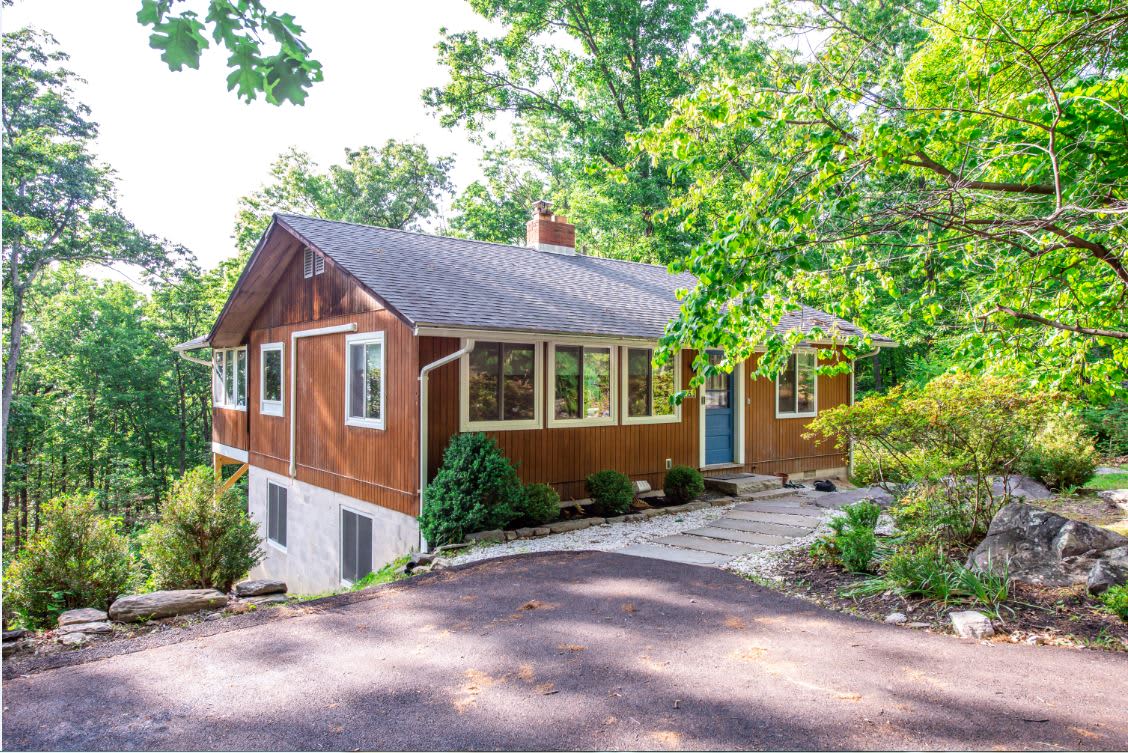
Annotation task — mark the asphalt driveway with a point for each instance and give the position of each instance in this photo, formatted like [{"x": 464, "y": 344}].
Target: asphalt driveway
[{"x": 572, "y": 650}]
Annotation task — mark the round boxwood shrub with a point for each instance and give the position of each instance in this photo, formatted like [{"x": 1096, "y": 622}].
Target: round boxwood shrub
[
  {"x": 77, "y": 558},
  {"x": 683, "y": 484},
  {"x": 1062, "y": 455},
  {"x": 476, "y": 489},
  {"x": 540, "y": 504},
  {"x": 611, "y": 493}
]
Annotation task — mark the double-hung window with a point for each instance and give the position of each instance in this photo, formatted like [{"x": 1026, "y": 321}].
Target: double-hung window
[
  {"x": 500, "y": 387},
  {"x": 229, "y": 379},
  {"x": 364, "y": 380},
  {"x": 648, "y": 390},
  {"x": 270, "y": 379},
  {"x": 797, "y": 386},
  {"x": 276, "y": 514},
  {"x": 582, "y": 379}
]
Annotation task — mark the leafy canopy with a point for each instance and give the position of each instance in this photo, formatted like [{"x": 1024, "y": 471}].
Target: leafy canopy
[
  {"x": 961, "y": 168},
  {"x": 242, "y": 27}
]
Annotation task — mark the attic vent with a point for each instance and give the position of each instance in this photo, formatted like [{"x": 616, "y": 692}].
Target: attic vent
[{"x": 314, "y": 264}]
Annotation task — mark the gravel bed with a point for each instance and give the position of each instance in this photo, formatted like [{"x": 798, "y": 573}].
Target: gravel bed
[{"x": 604, "y": 538}]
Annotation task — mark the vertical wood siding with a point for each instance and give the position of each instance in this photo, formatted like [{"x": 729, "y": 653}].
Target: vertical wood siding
[{"x": 229, "y": 427}]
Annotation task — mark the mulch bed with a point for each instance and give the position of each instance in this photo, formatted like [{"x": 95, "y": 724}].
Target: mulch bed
[
  {"x": 575, "y": 512},
  {"x": 1054, "y": 616}
]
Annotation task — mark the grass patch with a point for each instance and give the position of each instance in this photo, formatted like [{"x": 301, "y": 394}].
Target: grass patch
[
  {"x": 389, "y": 573},
  {"x": 1106, "y": 481}
]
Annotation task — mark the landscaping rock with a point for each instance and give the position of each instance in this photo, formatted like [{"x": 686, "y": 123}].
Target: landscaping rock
[
  {"x": 267, "y": 600},
  {"x": 74, "y": 639},
  {"x": 14, "y": 635},
  {"x": 720, "y": 501},
  {"x": 13, "y": 647},
  {"x": 260, "y": 587},
  {"x": 917, "y": 625},
  {"x": 1043, "y": 548},
  {"x": 896, "y": 618},
  {"x": 93, "y": 628},
  {"x": 654, "y": 512},
  {"x": 510, "y": 535},
  {"x": 72, "y": 616},
  {"x": 1023, "y": 487},
  {"x": 165, "y": 604},
  {"x": 541, "y": 531},
  {"x": 564, "y": 526},
  {"x": 1117, "y": 497},
  {"x": 617, "y": 519},
  {"x": 451, "y": 547},
  {"x": 972, "y": 624},
  {"x": 1110, "y": 570},
  {"x": 496, "y": 536},
  {"x": 634, "y": 517},
  {"x": 596, "y": 521},
  {"x": 526, "y": 533}
]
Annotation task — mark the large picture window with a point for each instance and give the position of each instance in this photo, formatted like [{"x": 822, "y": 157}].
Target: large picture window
[
  {"x": 583, "y": 379},
  {"x": 500, "y": 386},
  {"x": 229, "y": 378},
  {"x": 797, "y": 386},
  {"x": 270, "y": 379},
  {"x": 647, "y": 391},
  {"x": 364, "y": 380}
]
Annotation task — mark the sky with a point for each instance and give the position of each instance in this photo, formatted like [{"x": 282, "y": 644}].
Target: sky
[{"x": 185, "y": 149}]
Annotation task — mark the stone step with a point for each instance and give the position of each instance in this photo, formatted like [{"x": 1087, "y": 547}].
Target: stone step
[
  {"x": 755, "y": 540},
  {"x": 779, "y": 529},
  {"x": 782, "y": 508},
  {"x": 739, "y": 484},
  {"x": 672, "y": 554},
  {"x": 788, "y": 519},
  {"x": 754, "y": 530},
  {"x": 769, "y": 494},
  {"x": 705, "y": 544}
]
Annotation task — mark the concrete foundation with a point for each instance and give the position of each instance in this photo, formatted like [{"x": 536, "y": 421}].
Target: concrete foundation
[{"x": 311, "y": 560}]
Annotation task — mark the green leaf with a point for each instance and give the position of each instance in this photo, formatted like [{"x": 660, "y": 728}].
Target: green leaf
[{"x": 181, "y": 40}]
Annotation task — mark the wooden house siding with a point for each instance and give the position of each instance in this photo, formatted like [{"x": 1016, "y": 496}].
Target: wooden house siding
[{"x": 229, "y": 427}]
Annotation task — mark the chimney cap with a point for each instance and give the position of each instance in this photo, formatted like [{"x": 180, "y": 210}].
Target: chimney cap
[{"x": 542, "y": 207}]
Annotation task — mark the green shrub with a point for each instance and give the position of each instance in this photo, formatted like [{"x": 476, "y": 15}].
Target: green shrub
[
  {"x": 1115, "y": 600},
  {"x": 944, "y": 513},
  {"x": 930, "y": 573},
  {"x": 1110, "y": 425},
  {"x": 683, "y": 484},
  {"x": 203, "y": 539},
  {"x": 539, "y": 504},
  {"x": 1062, "y": 455},
  {"x": 476, "y": 489},
  {"x": 611, "y": 493},
  {"x": 77, "y": 558},
  {"x": 852, "y": 542}
]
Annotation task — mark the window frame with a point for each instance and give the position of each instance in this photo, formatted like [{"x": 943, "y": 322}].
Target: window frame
[
  {"x": 550, "y": 376},
  {"x": 367, "y": 338},
  {"x": 272, "y": 407},
  {"x": 796, "y": 414},
  {"x": 219, "y": 377},
  {"x": 624, "y": 382},
  {"x": 536, "y": 422},
  {"x": 281, "y": 546},
  {"x": 341, "y": 541}
]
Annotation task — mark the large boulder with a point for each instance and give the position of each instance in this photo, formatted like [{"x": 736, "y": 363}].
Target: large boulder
[
  {"x": 75, "y": 616},
  {"x": 261, "y": 587},
  {"x": 1110, "y": 570},
  {"x": 1043, "y": 548},
  {"x": 159, "y": 604}
]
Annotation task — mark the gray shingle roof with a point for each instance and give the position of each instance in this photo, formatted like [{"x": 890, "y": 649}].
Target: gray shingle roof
[{"x": 450, "y": 282}]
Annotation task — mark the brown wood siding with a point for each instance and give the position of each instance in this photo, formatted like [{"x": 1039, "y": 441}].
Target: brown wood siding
[
  {"x": 777, "y": 445},
  {"x": 229, "y": 427},
  {"x": 563, "y": 456},
  {"x": 373, "y": 465}
]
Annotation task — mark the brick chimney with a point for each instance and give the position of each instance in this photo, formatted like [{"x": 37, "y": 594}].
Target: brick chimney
[{"x": 550, "y": 232}]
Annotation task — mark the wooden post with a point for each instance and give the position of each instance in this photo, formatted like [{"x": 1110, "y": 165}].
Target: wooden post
[
  {"x": 231, "y": 481},
  {"x": 217, "y": 463}
]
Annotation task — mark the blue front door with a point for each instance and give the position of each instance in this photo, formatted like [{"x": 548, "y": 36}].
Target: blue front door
[{"x": 718, "y": 416}]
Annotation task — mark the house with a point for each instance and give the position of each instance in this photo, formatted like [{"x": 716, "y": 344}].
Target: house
[{"x": 347, "y": 356}]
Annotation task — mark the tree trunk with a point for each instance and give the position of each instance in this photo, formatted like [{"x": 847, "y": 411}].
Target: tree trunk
[
  {"x": 15, "y": 340},
  {"x": 876, "y": 359}
]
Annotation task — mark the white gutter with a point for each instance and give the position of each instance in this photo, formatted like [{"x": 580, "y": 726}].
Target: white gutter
[
  {"x": 198, "y": 344},
  {"x": 468, "y": 345},
  {"x": 294, "y": 336}
]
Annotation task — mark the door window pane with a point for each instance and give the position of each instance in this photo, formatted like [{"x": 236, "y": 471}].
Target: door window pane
[
  {"x": 272, "y": 375},
  {"x": 717, "y": 385}
]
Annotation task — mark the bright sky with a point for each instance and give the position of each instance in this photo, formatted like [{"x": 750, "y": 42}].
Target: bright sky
[{"x": 185, "y": 149}]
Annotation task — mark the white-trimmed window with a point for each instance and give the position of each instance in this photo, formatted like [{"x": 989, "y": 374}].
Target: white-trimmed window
[
  {"x": 501, "y": 386},
  {"x": 313, "y": 263},
  {"x": 797, "y": 386},
  {"x": 270, "y": 379},
  {"x": 648, "y": 390},
  {"x": 356, "y": 546},
  {"x": 276, "y": 514},
  {"x": 364, "y": 380},
  {"x": 229, "y": 378},
  {"x": 581, "y": 385}
]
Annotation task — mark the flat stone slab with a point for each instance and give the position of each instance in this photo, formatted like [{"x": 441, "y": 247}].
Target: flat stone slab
[
  {"x": 74, "y": 616},
  {"x": 780, "y": 529},
  {"x": 737, "y": 484},
  {"x": 670, "y": 554},
  {"x": 260, "y": 587},
  {"x": 779, "y": 518},
  {"x": 730, "y": 534},
  {"x": 750, "y": 527},
  {"x": 705, "y": 544},
  {"x": 793, "y": 508}
]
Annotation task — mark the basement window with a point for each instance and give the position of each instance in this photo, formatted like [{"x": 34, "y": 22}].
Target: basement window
[
  {"x": 229, "y": 378},
  {"x": 276, "y": 514},
  {"x": 364, "y": 380},
  {"x": 356, "y": 546},
  {"x": 797, "y": 386},
  {"x": 648, "y": 390},
  {"x": 501, "y": 387},
  {"x": 582, "y": 385},
  {"x": 270, "y": 378},
  {"x": 313, "y": 263}
]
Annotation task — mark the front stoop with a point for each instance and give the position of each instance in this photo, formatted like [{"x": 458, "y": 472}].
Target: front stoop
[{"x": 742, "y": 484}]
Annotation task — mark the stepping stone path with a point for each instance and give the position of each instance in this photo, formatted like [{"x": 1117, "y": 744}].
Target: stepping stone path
[{"x": 768, "y": 518}]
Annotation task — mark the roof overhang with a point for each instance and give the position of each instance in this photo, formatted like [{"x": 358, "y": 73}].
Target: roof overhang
[{"x": 196, "y": 343}]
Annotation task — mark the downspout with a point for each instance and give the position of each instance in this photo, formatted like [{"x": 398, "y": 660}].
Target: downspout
[
  {"x": 192, "y": 359},
  {"x": 424, "y": 373},
  {"x": 294, "y": 337}
]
